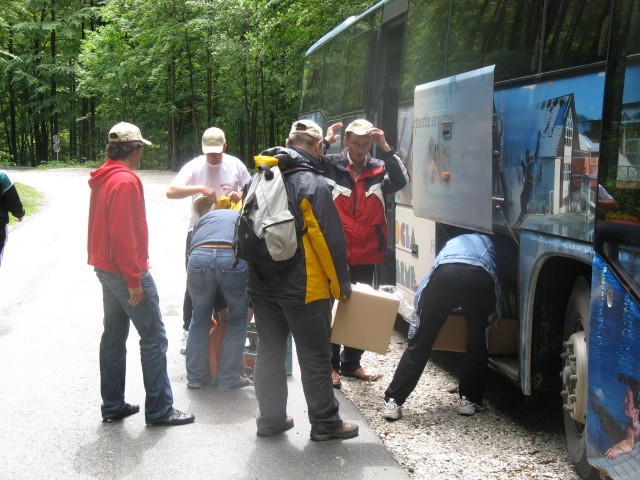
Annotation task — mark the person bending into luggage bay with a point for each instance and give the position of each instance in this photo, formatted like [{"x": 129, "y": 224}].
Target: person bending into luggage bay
[{"x": 469, "y": 272}]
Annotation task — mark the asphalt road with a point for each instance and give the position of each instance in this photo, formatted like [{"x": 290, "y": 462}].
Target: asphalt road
[{"x": 50, "y": 326}]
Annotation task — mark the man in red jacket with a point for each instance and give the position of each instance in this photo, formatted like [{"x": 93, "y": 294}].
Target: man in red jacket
[
  {"x": 118, "y": 250},
  {"x": 359, "y": 183}
]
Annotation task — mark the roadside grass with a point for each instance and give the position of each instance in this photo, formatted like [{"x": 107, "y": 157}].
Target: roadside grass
[
  {"x": 56, "y": 165},
  {"x": 32, "y": 200}
]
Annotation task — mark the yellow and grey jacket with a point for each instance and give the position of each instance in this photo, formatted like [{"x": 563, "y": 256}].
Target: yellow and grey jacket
[{"x": 321, "y": 271}]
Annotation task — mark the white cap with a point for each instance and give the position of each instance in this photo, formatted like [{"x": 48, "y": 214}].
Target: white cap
[
  {"x": 213, "y": 140},
  {"x": 126, "y": 132},
  {"x": 359, "y": 127},
  {"x": 307, "y": 127}
]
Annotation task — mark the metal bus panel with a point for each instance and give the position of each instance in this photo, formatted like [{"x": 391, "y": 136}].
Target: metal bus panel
[
  {"x": 535, "y": 250},
  {"x": 415, "y": 250},
  {"x": 452, "y": 156}
]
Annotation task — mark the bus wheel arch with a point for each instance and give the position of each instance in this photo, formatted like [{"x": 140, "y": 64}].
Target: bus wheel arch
[{"x": 574, "y": 375}]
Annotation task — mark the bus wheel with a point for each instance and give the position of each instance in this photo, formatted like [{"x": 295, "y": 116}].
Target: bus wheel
[{"x": 574, "y": 376}]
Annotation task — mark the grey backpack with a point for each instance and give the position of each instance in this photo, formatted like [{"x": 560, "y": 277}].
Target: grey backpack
[{"x": 265, "y": 232}]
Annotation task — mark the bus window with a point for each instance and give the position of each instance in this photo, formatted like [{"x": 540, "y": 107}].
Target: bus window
[
  {"x": 576, "y": 33},
  {"x": 312, "y": 82},
  {"x": 335, "y": 67},
  {"x": 487, "y": 33},
  {"x": 621, "y": 176},
  {"x": 425, "y": 44},
  {"x": 356, "y": 71}
]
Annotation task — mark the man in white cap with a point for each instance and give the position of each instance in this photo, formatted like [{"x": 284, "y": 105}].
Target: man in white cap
[
  {"x": 359, "y": 183},
  {"x": 118, "y": 249},
  {"x": 213, "y": 175}
]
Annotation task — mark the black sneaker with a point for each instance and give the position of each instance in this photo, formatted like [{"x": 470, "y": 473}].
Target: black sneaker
[
  {"x": 125, "y": 411},
  {"x": 340, "y": 431}
]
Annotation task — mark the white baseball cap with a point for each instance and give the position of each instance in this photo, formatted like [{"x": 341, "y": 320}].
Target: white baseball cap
[
  {"x": 213, "y": 140},
  {"x": 359, "y": 127},
  {"x": 307, "y": 127},
  {"x": 126, "y": 132}
]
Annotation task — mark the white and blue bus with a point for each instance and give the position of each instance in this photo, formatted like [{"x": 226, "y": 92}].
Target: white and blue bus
[{"x": 517, "y": 118}]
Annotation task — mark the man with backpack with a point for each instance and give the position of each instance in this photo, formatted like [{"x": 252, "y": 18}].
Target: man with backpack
[{"x": 296, "y": 295}]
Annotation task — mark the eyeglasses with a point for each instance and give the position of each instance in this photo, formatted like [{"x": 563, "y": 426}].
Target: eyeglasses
[{"x": 301, "y": 127}]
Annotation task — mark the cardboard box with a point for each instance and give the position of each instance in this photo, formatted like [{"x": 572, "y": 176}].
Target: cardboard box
[
  {"x": 366, "y": 321},
  {"x": 503, "y": 338}
]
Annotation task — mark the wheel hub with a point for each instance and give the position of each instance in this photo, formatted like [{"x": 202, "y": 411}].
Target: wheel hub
[{"x": 574, "y": 376}]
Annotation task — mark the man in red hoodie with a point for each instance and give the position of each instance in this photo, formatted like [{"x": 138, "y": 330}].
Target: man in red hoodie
[{"x": 118, "y": 249}]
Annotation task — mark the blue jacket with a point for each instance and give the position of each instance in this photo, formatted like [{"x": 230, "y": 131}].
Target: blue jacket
[{"x": 496, "y": 255}]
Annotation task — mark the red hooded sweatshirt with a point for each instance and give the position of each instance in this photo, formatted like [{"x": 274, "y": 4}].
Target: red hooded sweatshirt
[{"x": 118, "y": 238}]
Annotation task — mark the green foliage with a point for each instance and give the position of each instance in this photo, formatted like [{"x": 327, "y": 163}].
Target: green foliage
[{"x": 73, "y": 68}]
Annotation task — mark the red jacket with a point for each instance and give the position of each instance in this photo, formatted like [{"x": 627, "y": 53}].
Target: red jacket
[
  {"x": 361, "y": 203},
  {"x": 118, "y": 238}
]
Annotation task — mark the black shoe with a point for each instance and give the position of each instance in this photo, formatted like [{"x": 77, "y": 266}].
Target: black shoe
[
  {"x": 268, "y": 432},
  {"x": 341, "y": 431},
  {"x": 176, "y": 418},
  {"x": 125, "y": 411}
]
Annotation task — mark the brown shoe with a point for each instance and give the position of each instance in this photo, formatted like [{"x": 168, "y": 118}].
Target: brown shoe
[
  {"x": 364, "y": 375},
  {"x": 335, "y": 377},
  {"x": 340, "y": 431}
]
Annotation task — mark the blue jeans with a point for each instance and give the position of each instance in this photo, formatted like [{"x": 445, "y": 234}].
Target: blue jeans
[
  {"x": 208, "y": 270},
  {"x": 147, "y": 320}
]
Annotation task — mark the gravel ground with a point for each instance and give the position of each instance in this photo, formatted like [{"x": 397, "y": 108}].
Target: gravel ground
[{"x": 515, "y": 438}]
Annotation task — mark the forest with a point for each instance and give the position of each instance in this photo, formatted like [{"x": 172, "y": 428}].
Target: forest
[{"x": 70, "y": 69}]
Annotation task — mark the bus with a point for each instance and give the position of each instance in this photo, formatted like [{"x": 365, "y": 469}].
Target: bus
[{"x": 518, "y": 118}]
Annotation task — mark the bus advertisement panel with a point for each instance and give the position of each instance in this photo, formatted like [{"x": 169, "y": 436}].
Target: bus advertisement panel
[{"x": 614, "y": 380}]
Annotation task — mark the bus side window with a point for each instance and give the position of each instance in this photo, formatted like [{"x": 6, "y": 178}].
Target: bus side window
[
  {"x": 487, "y": 33},
  {"x": 312, "y": 82},
  {"x": 576, "y": 33}
]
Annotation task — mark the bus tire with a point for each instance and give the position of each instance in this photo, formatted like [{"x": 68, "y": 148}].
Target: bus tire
[{"x": 575, "y": 376}]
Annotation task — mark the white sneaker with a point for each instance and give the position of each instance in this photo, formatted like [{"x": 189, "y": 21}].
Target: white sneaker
[
  {"x": 183, "y": 342},
  {"x": 392, "y": 411},
  {"x": 467, "y": 407}
]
